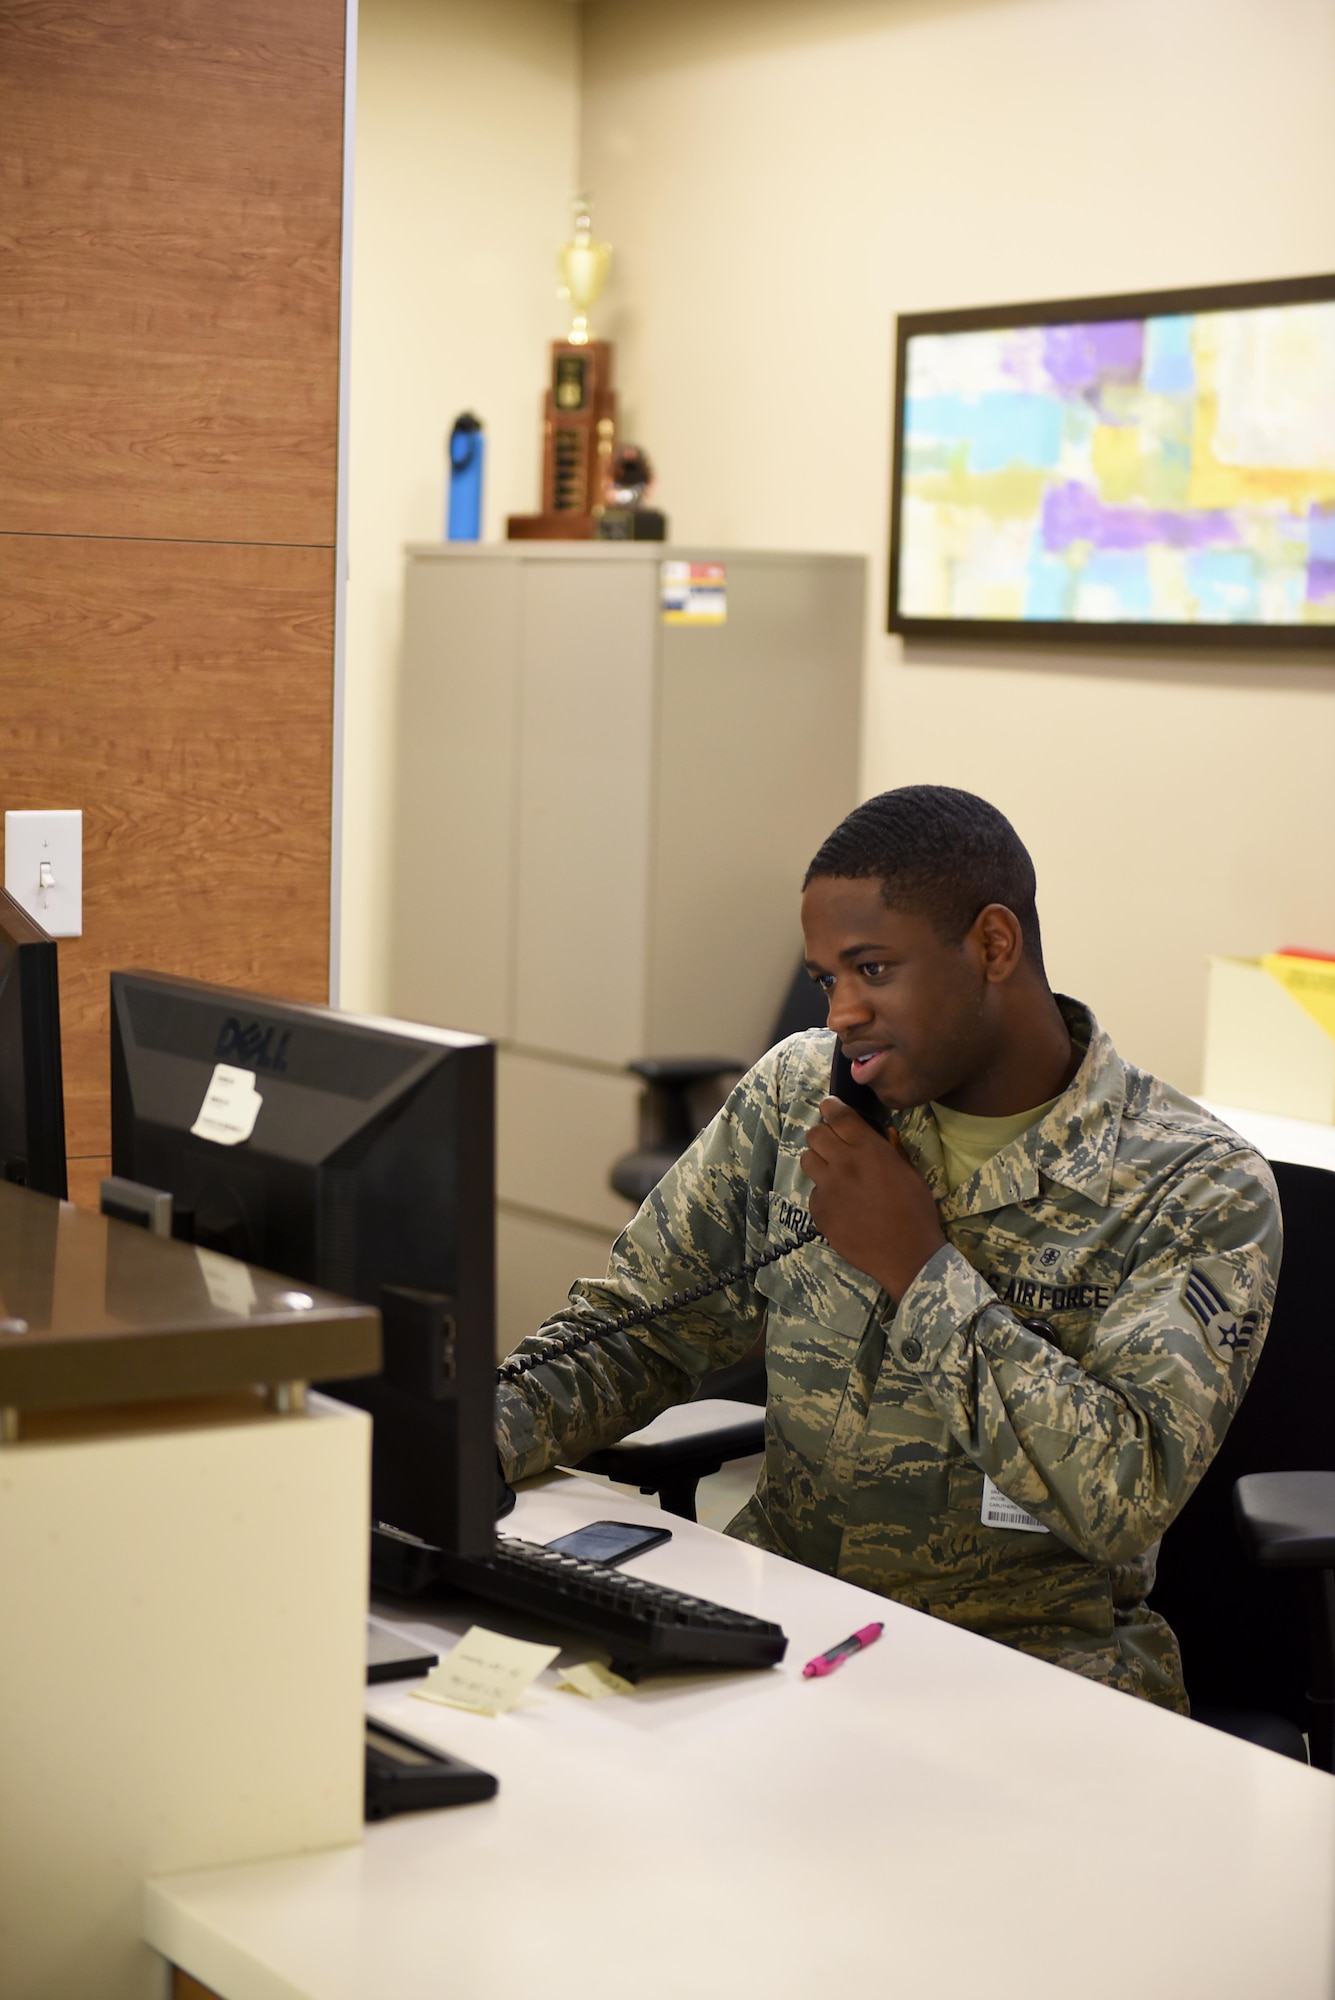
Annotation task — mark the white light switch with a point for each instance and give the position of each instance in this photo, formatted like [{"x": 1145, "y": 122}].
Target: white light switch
[{"x": 44, "y": 868}]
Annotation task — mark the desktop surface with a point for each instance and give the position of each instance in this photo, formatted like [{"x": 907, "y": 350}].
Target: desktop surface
[
  {"x": 942, "y": 1810},
  {"x": 1302, "y": 1142},
  {"x": 96, "y": 1311}
]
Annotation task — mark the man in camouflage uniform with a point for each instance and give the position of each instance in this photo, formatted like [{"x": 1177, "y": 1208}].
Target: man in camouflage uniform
[{"x": 1003, "y": 1365}]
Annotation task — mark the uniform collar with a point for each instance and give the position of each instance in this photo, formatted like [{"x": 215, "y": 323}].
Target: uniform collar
[{"x": 1075, "y": 1144}]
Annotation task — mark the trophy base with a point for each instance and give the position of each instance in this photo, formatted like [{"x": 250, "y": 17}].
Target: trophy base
[
  {"x": 631, "y": 524},
  {"x": 564, "y": 527}
]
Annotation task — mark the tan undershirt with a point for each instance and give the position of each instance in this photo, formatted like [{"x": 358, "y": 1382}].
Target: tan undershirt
[{"x": 968, "y": 1143}]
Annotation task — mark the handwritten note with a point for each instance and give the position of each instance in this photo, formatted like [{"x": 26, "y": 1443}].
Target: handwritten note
[
  {"x": 593, "y": 1679},
  {"x": 231, "y": 1106},
  {"x": 486, "y": 1672}
]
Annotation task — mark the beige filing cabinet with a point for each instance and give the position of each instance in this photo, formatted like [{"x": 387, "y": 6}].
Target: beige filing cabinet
[{"x": 602, "y": 823}]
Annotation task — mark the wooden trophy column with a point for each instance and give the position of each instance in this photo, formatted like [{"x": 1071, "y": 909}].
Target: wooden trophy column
[{"x": 579, "y": 436}]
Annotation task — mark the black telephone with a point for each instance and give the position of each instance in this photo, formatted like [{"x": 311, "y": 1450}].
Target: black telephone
[
  {"x": 843, "y": 1085},
  {"x": 861, "y": 1096}
]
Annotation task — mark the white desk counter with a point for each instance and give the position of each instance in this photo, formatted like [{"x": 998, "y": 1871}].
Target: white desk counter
[
  {"x": 1299, "y": 1141},
  {"x": 941, "y": 1811}
]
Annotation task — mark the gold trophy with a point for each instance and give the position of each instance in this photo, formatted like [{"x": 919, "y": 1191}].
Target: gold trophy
[
  {"x": 579, "y": 434},
  {"x": 582, "y": 265}
]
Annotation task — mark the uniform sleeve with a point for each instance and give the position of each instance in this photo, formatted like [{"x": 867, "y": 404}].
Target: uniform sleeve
[
  {"x": 707, "y": 1215},
  {"x": 1106, "y": 1450}
]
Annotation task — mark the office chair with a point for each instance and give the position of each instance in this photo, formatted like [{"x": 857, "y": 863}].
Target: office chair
[
  {"x": 721, "y": 1422},
  {"x": 1240, "y": 1620},
  {"x": 1287, "y": 1524},
  {"x": 681, "y": 1447},
  {"x": 673, "y": 1084}
]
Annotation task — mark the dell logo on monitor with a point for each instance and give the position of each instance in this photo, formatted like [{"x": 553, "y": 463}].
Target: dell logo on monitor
[{"x": 251, "y": 1045}]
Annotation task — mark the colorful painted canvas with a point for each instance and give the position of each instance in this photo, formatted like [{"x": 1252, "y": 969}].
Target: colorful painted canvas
[{"x": 1170, "y": 469}]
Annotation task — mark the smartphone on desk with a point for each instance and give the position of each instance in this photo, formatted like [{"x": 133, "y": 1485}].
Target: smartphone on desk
[{"x": 610, "y": 1541}]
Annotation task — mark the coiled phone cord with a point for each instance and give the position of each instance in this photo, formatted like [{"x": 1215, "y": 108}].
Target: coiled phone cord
[{"x": 558, "y": 1346}]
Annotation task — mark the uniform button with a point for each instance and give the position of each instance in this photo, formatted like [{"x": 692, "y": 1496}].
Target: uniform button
[{"x": 912, "y": 1349}]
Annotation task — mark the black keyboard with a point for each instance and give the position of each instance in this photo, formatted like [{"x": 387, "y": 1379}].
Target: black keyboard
[{"x": 641, "y": 1624}]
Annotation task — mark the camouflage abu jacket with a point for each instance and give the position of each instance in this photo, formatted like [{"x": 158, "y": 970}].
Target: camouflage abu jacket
[{"x": 1138, "y": 1234}]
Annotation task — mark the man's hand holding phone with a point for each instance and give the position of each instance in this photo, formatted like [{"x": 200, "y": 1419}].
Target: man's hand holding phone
[{"x": 868, "y": 1201}]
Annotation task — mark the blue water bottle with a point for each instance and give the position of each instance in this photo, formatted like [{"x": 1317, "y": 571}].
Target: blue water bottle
[{"x": 467, "y": 445}]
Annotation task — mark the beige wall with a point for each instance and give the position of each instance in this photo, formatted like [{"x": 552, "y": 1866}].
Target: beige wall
[
  {"x": 466, "y": 144},
  {"x": 779, "y": 181}
]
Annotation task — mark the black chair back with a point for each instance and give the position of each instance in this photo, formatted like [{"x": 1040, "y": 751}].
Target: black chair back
[
  {"x": 803, "y": 1006},
  {"x": 1242, "y": 1631}
]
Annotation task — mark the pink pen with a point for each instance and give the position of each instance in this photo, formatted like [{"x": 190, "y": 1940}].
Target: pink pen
[{"x": 825, "y": 1663}]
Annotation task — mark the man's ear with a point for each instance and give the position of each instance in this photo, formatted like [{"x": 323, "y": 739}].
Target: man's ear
[{"x": 999, "y": 941}]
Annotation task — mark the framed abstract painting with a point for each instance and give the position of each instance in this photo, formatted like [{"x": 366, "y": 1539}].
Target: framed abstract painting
[{"x": 1154, "y": 466}]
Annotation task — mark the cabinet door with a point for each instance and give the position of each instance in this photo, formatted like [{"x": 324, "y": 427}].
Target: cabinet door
[
  {"x": 451, "y": 935},
  {"x": 757, "y": 761},
  {"x": 584, "y": 807},
  {"x": 560, "y": 1126}
]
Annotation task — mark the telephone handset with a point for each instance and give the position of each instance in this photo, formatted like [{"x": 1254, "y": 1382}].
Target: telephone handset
[{"x": 843, "y": 1085}]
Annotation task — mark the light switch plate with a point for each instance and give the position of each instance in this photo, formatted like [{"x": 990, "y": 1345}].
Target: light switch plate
[{"x": 56, "y": 839}]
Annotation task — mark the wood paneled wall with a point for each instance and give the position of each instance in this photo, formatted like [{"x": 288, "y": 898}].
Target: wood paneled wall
[{"x": 170, "y": 226}]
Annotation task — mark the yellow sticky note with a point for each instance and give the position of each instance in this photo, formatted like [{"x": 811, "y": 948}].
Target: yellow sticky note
[
  {"x": 486, "y": 1672},
  {"x": 593, "y": 1679}
]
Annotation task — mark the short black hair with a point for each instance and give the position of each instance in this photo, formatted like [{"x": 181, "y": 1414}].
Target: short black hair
[{"x": 937, "y": 853}]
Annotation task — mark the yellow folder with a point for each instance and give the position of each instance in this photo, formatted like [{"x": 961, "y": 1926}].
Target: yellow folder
[{"x": 1311, "y": 981}]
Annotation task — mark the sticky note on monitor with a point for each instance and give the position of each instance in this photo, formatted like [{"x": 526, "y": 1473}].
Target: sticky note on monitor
[
  {"x": 486, "y": 1672},
  {"x": 231, "y": 1106}
]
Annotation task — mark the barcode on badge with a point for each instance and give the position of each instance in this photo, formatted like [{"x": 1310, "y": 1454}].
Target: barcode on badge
[{"x": 999, "y": 1512}]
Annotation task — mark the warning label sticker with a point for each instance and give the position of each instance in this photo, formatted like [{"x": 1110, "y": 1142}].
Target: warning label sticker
[{"x": 694, "y": 593}]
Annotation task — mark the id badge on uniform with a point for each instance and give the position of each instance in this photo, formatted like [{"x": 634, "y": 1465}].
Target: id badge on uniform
[{"x": 999, "y": 1512}]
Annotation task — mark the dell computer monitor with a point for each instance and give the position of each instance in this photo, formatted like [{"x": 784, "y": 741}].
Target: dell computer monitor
[
  {"x": 32, "y": 1101},
  {"x": 350, "y": 1153}
]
